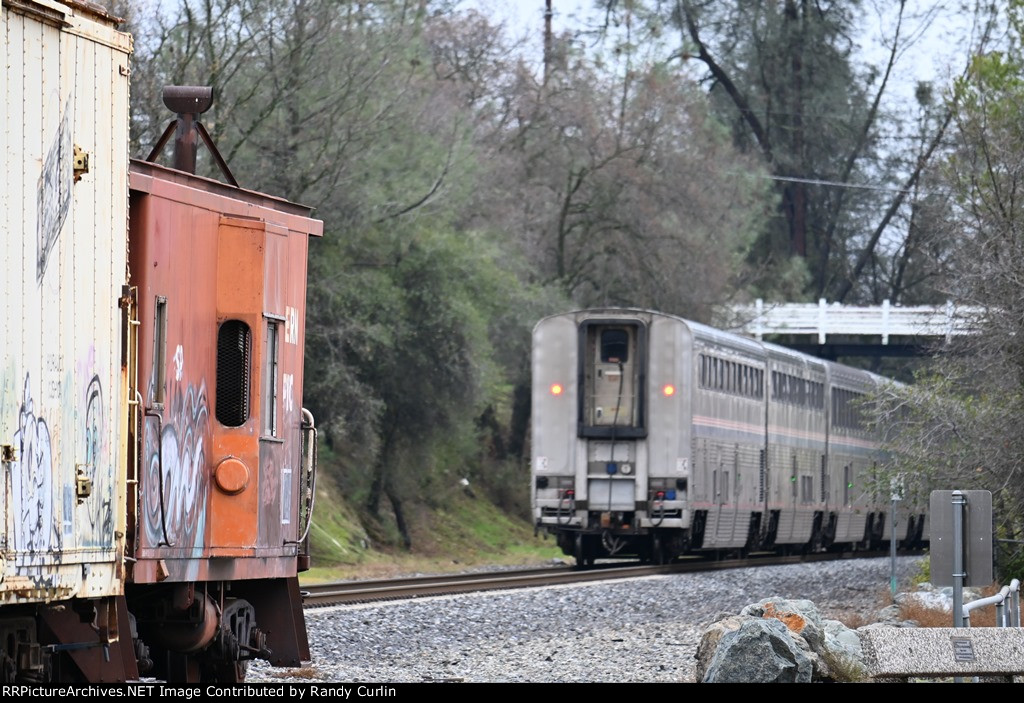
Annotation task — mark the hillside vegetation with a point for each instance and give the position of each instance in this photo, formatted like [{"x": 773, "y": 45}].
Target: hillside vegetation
[{"x": 676, "y": 156}]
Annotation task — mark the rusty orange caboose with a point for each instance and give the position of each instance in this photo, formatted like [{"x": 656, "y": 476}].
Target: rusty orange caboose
[{"x": 222, "y": 492}]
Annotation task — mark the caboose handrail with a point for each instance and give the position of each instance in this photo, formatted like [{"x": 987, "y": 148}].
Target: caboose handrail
[
  {"x": 311, "y": 456},
  {"x": 130, "y": 304}
]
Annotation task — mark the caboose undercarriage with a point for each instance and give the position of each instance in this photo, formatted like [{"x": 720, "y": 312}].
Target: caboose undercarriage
[{"x": 181, "y": 632}]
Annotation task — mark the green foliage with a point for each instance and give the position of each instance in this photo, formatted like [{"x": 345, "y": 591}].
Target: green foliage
[
  {"x": 336, "y": 535},
  {"x": 443, "y": 173},
  {"x": 924, "y": 573}
]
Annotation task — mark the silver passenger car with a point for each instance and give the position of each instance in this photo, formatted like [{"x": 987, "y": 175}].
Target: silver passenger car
[{"x": 654, "y": 436}]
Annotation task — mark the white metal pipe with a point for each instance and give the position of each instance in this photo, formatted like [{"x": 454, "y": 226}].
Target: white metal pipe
[{"x": 996, "y": 600}]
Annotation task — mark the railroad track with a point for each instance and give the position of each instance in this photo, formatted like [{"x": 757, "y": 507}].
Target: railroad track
[{"x": 343, "y": 592}]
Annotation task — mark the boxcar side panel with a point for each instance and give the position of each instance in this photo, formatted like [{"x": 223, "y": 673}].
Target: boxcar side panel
[{"x": 64, "y": 237}]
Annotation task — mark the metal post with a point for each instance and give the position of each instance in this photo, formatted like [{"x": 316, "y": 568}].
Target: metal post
[
  {"x": 892, "y": 547},
  {"x": 958, "y": 501},
  {"x": 1013, "y": 612},
  {"x": 958, "y": 558}
]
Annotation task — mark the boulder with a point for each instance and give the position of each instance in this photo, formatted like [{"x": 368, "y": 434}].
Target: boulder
[
  {"x": 841, "y": 640},
  {"x": 710, "y": 639},
  {"x": 757, "y": 651},
  {"x": 801, "y": 617},
  {"x": 817, "y": 648}
]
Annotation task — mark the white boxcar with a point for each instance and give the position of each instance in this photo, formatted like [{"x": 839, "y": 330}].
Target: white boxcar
[{"x": 63, "y": 227}]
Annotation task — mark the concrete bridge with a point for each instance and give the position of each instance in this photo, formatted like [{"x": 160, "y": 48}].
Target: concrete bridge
[{"x": 835, "y": 330}]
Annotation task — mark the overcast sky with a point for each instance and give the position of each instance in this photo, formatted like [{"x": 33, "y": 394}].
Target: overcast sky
[{"x": 936, "y": 53}]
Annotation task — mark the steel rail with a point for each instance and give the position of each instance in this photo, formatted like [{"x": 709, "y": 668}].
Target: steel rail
[{"x": 345, "y": 592}]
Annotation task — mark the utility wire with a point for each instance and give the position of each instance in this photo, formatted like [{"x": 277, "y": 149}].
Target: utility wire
[{"x": 837, "y": 184}]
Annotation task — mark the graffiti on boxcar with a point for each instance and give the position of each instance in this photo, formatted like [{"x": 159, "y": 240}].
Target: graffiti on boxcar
[
  {"x": 176, "y": 470},
  {"x": 54, "y": 195},
  {"x": 96, "y": 469},
  {"x": 32, "y": 491}
]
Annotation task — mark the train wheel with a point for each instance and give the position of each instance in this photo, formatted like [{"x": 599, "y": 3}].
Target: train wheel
[
  {"x": 583, "y": 552},
  {"x": 657, "y": 549}
]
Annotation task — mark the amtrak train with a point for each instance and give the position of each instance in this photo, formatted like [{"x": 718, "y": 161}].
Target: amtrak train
[{"x": 654, "y": 436}]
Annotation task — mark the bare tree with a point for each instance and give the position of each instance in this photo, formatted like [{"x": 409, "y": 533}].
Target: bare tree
[
  {"x": 961, "y": 426},
  {"x": 623, "y": 189},
  {"x": 787, "y": 77}
]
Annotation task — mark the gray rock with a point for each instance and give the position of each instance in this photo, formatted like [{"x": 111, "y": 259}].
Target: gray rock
[
  {"x": 800, "y": 616},
  {"x": 710, "y": 639},
  {"x": 833, "y": 649},
  {"x": 890, "y": 613},
  {"x": 842, "y": 640},
  {"x": 758, "y": 651}
]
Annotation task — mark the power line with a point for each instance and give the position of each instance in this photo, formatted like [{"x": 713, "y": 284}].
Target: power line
[{"x": 837, "y": 184}]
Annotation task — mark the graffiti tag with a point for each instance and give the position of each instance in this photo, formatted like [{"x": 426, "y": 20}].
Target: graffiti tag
[
  {"x": 53, "y": 195},
  {"x": 32, "y": 481},
  {"x": 176, "y": 471},
  {"x": 99, "y": 503}
]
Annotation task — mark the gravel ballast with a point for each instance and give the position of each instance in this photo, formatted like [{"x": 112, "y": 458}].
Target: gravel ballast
[{"x": 639, "y": 630}]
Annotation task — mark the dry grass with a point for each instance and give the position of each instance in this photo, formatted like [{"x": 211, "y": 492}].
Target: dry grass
[
  {"x": 306, "y": 672},
  {"x": 936, "y": 617},
  {"x": 924, "y": 615},
  {"x": 852, "y": 619}
]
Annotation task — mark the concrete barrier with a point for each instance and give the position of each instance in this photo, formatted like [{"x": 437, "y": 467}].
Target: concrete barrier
[{"x": 928, "y": 652}]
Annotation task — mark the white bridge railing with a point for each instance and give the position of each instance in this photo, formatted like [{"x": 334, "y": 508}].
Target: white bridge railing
[{"x": 883, "y": 320}]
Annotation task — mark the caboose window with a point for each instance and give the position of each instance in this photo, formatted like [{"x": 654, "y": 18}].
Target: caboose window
[
  {"x": 270, "y": 380},
  {"x": 234, "y": 352},
  {"x": 615, "y": 346},
  {"x": 160, "y": 350}
]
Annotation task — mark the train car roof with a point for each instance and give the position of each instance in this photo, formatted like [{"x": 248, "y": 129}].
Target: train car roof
[
  {"x": 744, "y": 343},
  {"x": 148, "y": 177}
]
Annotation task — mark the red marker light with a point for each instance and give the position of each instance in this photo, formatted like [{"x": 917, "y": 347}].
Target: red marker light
[
  {"x": 669, "y": 390},
  {"x": 556, "y": 389}
]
